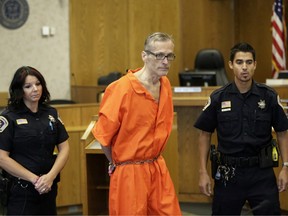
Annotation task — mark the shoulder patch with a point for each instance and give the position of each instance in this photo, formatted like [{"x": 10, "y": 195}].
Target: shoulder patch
[
  {"x": 207, "y": 104},
  {"x": 3, "y": 123}
]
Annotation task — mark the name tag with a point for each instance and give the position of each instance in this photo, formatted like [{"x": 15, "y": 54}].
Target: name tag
[{"x": 21, "y": 121}]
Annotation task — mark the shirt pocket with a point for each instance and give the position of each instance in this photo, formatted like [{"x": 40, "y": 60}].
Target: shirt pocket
[
  {"x": 25, "y": 136},
  {"x": 52, "y": 128},
  {"x": 228, "y": 124},
  {"x": 262, "y": 126}
]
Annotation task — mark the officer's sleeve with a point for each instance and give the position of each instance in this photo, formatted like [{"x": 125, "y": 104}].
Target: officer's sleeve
[
  {"x": 61, "y": 130},
  {"x": 279, "y": 121},
  {"x": 6, "y": 131},
  {"x": 207, "y": 121}
]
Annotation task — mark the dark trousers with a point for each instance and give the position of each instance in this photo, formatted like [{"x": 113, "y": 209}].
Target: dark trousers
[
  {"x": 253, "y": 184},
  {"x": 25, "y": 200}
]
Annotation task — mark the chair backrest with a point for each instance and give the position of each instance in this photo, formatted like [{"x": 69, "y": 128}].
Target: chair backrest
[
  {"x": 111, "y": 77},
  {"x": 60, "y": 101},
  {"x": 211, "y": 59}
]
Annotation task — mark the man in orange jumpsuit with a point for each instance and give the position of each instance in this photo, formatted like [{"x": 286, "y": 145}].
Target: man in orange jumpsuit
[{"x": 135, "y": 121}]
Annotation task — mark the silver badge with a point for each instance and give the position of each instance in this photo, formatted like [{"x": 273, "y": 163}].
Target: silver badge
[
  {"x": 262, "y": 104},
  {"x": 51, "y": 118}
]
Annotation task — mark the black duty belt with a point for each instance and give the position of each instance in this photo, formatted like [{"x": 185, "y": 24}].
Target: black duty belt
[{"x": 240, "y": 161}]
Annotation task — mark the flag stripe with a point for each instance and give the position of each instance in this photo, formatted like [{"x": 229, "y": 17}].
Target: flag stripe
[
  {"x": 278, "y": 38},
  {"x": 276, "y": 48}
]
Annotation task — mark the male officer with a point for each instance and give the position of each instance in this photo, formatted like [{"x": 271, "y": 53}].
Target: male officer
[{"x": 243, "y": 112}]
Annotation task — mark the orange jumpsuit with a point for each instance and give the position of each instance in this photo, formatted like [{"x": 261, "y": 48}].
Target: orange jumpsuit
[{"x": 137, "y": 128}]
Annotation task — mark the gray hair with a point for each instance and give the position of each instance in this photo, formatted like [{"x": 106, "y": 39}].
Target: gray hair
[{"x": 157, "y": 36}]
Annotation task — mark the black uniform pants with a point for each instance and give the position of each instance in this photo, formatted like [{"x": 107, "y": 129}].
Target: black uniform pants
[
  {"x": 25, "y": 200},
  {"x": 253, "y": 184}
]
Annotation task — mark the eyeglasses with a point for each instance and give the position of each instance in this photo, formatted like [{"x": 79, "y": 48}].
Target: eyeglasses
[{"x": 162, "y": 56}]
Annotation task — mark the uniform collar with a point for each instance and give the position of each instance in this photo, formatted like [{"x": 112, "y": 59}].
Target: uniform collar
[
  {"x": 254, "y": 90},
  {"x": 24, "y": 109}
]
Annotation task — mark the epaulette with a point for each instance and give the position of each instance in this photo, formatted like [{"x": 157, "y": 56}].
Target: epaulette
[
  {"x": 262, "y": 85},
  {"x": 221, "y": 89},
  {"x": 5, "y": 111}
]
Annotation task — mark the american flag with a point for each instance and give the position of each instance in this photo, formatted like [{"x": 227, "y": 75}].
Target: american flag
[{"x": 278, "y": 39}]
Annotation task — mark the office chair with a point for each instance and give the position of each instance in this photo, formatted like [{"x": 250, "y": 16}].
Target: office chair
[
  {"x": 60, "y": 101},
  {"x": 111, "y": 77},
  {"x": 106, "y": 80},
  {"x": 211, "y": 60}
]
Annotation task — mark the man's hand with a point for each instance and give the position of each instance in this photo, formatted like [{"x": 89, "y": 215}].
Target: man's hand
[
  {"x": 205, "y": 184},
  {"x": 283, "y": 179}
]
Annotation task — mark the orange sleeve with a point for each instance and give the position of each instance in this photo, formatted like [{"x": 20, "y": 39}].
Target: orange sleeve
[{"x": 108, "y": 122}]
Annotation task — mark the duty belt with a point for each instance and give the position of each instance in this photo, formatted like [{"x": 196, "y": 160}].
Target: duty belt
[
  {"x": 139, "y": 162},
  {"x": 240, "y": 161}
]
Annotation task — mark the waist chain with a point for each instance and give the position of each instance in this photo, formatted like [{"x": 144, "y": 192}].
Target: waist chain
[{"x": 139, "y": 162}]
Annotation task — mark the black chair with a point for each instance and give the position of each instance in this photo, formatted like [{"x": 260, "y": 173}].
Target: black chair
[
  {"x": 60, "y": 101},
  {"x": 211, "y": 60},
  {"x": 111, "y": 77},
  {"x": 105, "y": 81}
]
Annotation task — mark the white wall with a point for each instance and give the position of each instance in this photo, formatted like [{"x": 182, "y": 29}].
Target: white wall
[{"x": 27, "y": 46}]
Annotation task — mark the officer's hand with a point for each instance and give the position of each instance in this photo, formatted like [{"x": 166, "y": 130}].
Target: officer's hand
[
  {"x": 44, "y": 183},
  {"x": 205, "y": 184},
  {"x": 283, "y": 179}
]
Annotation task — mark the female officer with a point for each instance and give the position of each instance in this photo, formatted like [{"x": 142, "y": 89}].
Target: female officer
[{"x": 29, "y": 132}]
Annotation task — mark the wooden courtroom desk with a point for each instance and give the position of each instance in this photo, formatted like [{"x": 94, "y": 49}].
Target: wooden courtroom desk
[
  {"x": 88, "y": 94},
  {"x": 95, "y": 180},
  {"x": 188, "y": 107},
  {"x": 76, "y": 118},
  {"x": 282, "y": 90}
]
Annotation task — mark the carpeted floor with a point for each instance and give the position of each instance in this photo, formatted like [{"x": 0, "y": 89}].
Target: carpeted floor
[
  {"x": 205, "y": 209},
  {"x": 196, "y": 208}
]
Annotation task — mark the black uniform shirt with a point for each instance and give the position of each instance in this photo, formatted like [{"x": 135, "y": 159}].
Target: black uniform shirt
[
  {"x": 243, "y": 122},
  {"x": 31, "y": 137}
]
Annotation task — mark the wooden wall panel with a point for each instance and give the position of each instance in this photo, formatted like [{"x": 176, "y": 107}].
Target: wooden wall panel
[
  {"x": 206, "y": 24},
  {"x": 4, "y": 99},
  {"x": 109, "y": 35},
  {"x": 148, "y": 16},
  {"x": 98, "y": 39},
  {"x": 253, "y": 20}
]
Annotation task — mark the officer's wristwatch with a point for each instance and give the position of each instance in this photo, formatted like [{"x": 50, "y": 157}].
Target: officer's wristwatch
[{"x": 285, "y": 164}]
